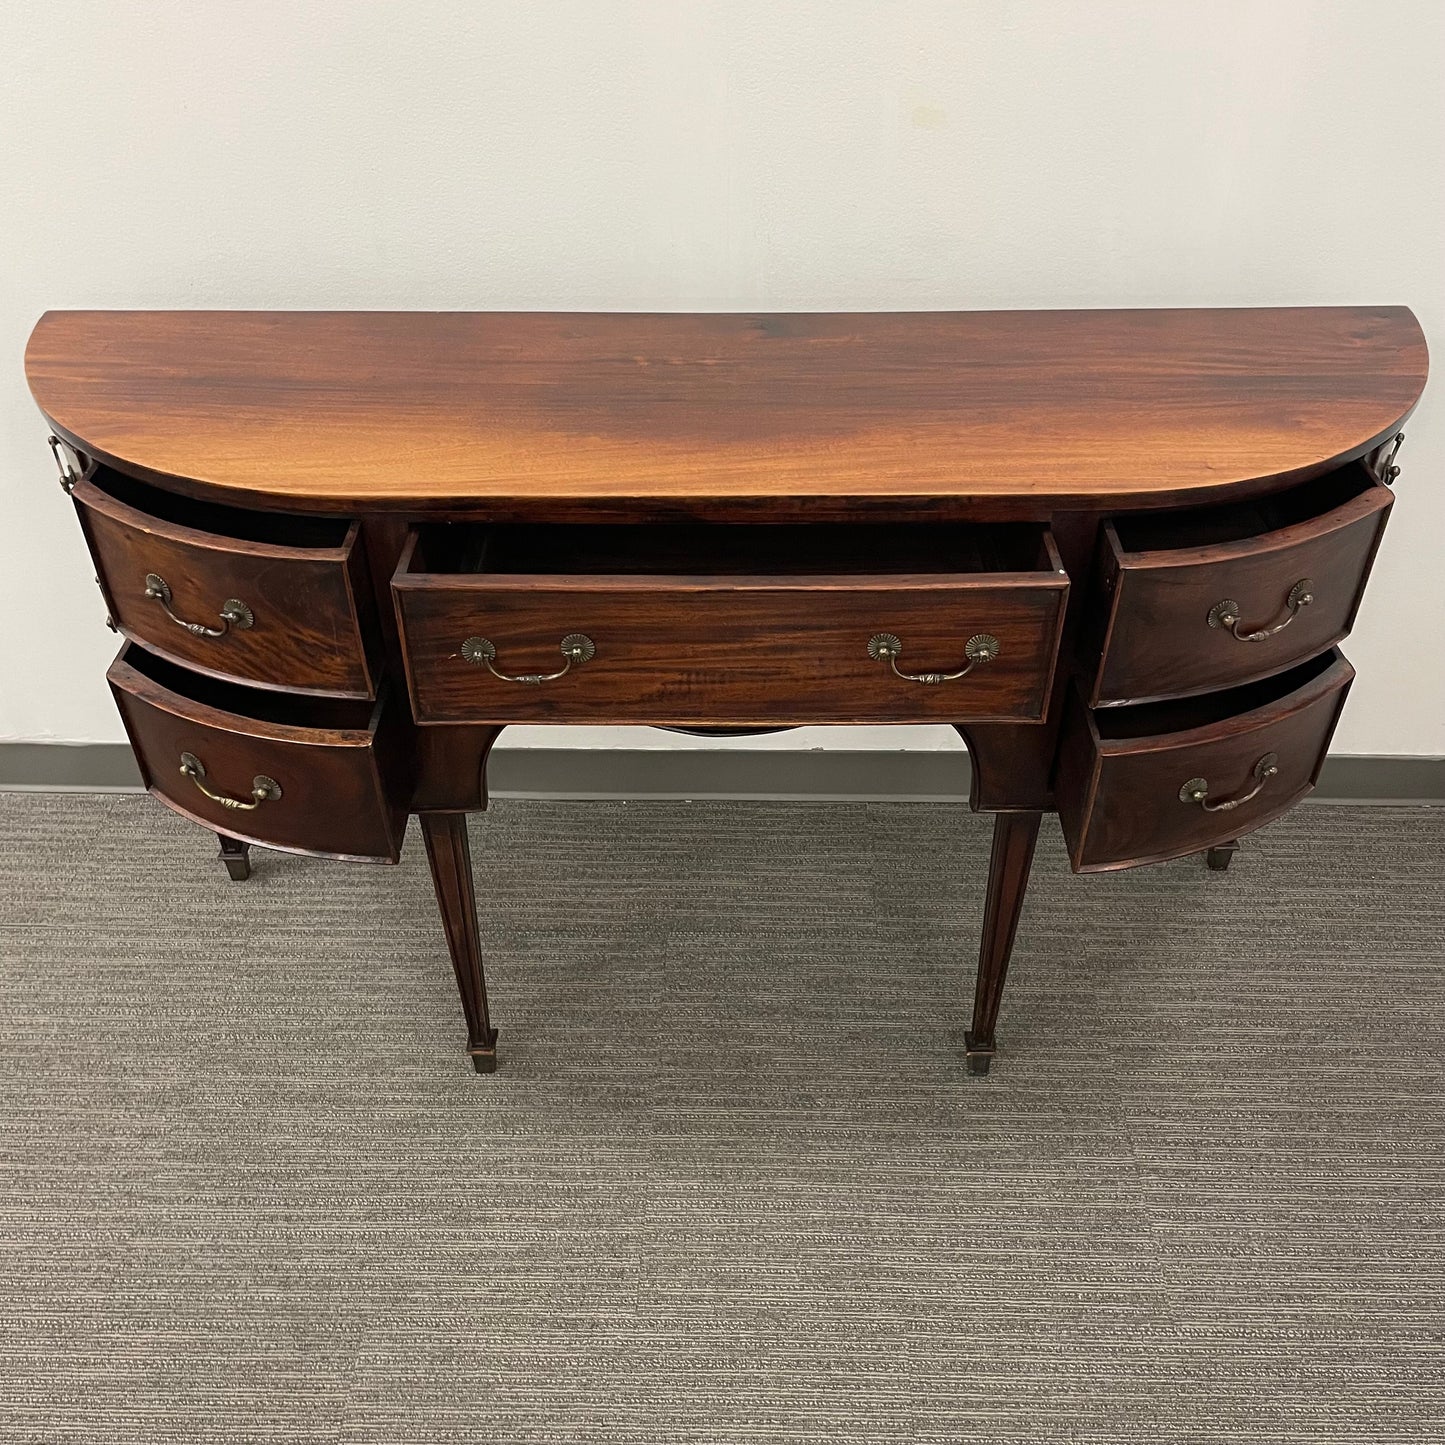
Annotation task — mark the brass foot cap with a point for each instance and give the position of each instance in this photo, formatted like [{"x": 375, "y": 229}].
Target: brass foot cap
[
  {"x": 977, "y": 1056},
  {"x": 484, "y": 1056}
]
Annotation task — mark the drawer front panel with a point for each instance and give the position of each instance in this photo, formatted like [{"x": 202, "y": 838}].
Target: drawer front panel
[
  {"x": 1145, "y": 799},
  {"x": 730, "y": 650},
  {"x": 1161, "y": 642},
  {"x": 329, "y": 795},
  {"x": 299, "y": 629}
]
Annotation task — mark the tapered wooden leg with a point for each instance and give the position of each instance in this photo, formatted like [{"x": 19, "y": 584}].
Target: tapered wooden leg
[
  {"x": 1014, "y": 836},
  {"x": 449, "y": 851},
  {"x": 236, "y": 855},
  {"x": 1219, "y": 858}
]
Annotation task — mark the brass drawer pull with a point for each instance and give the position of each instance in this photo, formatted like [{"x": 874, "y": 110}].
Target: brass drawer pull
[
  {"x": 575, "y": 647},
  {"x": 1196, "y": 790},
  {"x": 62, "y": 452},
  {"x": 234, "y": 612},
  {"x": 1226, "y": 613},
  {"x": 885, "y": 647},
  {"x": 263, "y": 789}
]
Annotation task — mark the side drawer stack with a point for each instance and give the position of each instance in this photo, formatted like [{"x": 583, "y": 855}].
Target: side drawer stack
[
  {"x": 1212, "y": 684},
  {"x": 248, "y": 683}
]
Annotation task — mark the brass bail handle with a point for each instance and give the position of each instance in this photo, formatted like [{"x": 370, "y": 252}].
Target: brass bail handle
[
  {"x": 1196, "y": 790},
  {"x": 263, "y": 789},
  {"x": 576, "y": 647},
  {"x": 1226, "y": 613},
  {"x": 980, "y": 648},
  {"x": 234, "y": 612}
]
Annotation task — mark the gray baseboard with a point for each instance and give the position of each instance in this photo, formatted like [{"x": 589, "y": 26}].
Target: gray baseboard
[{"x": 862, "y": 776}]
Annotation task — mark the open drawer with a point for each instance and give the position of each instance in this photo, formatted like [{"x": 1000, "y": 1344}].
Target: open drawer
[
  {"x": 729, "y": 624},
  {"x": 306, "y": 775},
  {"x": 1215, "y": 596},
  {"x": 1156, "y": 781},
  {"x": 274, "y": 601}
]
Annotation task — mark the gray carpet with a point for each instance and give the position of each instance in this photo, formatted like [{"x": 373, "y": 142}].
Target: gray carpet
[{"x": 732, "y": 1183}]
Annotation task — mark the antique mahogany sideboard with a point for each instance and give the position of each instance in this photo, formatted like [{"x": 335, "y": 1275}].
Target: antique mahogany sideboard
[{"x": 1117, "y": 550}]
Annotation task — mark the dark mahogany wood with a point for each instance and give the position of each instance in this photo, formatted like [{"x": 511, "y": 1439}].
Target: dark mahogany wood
[
  {"x": 1014, "y": 836},
  {"x": 236, "y": 855},
  {"x": 307, "y": 633},
  {"x": 730, "y": 507},
  {"x": 726, "y": 415},
  {"x": 451, "y": 768},
  {"x": 338, "y": 795},
  {"x": 1158, "y": 640},
  {"x": 1121, "y": 769},
  {"x": 741, "y": 649},
  {"x": 1221, "y": 855},
  {"x": 449, "y": 851}
]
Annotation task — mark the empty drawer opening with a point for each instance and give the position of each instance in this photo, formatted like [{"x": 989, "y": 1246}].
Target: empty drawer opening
[
  {"x": 273, "y": 529},
  {"x": 698, "y": 550},
  {"x": 1181, "y": 714},
  {"x": 286, "y": 709},
  {"x": 1241, "y": 521}
]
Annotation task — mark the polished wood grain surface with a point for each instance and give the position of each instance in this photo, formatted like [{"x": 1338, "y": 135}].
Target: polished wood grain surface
[
  {"x": 730, "y": 506},
  {"x": 1019, "y": 410}
]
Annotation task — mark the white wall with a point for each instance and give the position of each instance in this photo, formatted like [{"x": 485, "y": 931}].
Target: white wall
[{"x": 723, "y": 154}]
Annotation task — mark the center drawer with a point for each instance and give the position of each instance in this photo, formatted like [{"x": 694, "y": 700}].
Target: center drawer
[{"x": 729, "y": 624}]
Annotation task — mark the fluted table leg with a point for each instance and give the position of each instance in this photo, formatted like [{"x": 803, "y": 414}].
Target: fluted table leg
[
  {"x": 449, "y": 851},
  {"x": 1014, "y": 836}
]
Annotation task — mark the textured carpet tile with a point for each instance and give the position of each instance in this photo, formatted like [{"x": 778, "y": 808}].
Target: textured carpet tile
[{"x": 732, "y": 1183}]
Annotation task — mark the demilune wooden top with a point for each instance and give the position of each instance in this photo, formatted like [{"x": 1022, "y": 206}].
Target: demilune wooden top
[{"x": 1029, "y": 410}]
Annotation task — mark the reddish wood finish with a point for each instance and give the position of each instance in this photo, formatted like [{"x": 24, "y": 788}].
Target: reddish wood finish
[
  {"x": 1121, "y": 770},
  {"x": 307, "y": 635},
  {"x": 812, "y": 414},
  {"x": 451, "y": 768},
  {"x": 1155, "y": 462},
  {"x": 1014, "y": 836},
  {"x": 1159, "y": 642},
  {"x": 743, "y": 650},
  {"x": 339, "y": 797},
  {"x": 449, "y": 851}
]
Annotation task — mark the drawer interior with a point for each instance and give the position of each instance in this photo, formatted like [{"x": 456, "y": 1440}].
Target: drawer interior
[
  {"x": 1240, "y": 521},
  {"x": 1176, "y": 715},
  {"x": 271, "y": 528},
  {"x": 698, "y": 550},
  {"x": 261, "y": 704}
]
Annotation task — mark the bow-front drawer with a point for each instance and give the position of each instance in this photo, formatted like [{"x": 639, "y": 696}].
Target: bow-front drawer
[
  {"x": 1142, "y": 784},
  {"x": 729, "y": 624},
  {"x": 276, "y": 601},
  {"x": 1217, "y": 596},
  {"x": 306, "y": 775}
]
